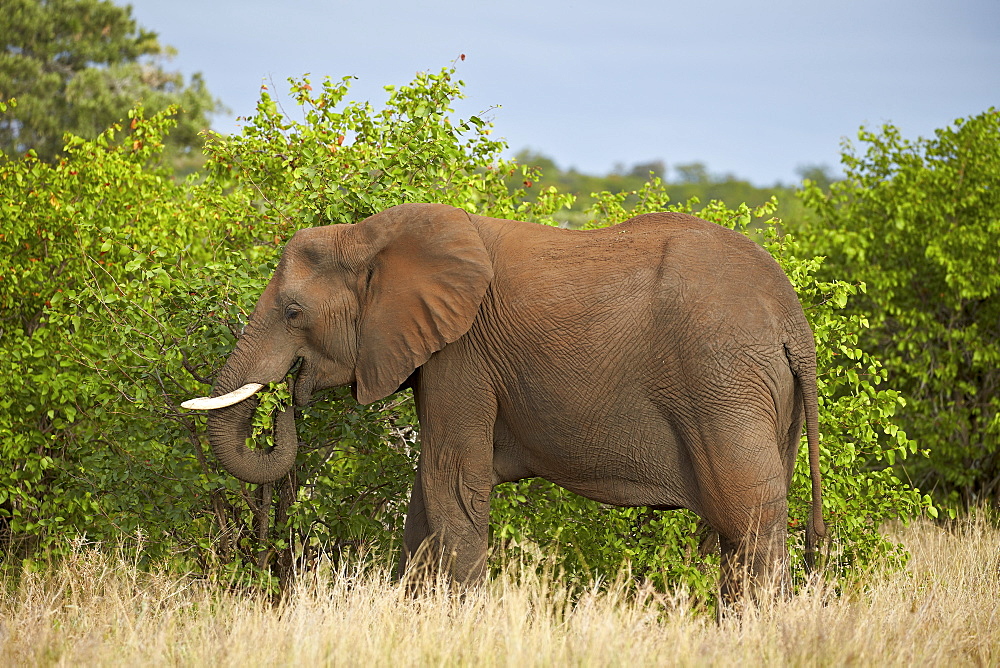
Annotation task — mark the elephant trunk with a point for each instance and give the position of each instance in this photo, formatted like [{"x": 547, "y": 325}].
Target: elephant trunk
[{"x": 229, "y": 429}]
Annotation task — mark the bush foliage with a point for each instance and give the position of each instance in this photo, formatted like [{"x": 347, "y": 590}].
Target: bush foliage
[
  {"x": 122, "y": 290},
  {"x": 919, "y": 223}
]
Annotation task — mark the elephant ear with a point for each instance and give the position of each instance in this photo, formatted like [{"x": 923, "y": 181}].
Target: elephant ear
[{"x": 428, "y": 273}]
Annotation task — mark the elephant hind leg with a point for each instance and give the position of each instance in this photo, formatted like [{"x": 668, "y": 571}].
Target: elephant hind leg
[
  {"x": 755, "y": 555},
  {"x": 743, "y": 494}
]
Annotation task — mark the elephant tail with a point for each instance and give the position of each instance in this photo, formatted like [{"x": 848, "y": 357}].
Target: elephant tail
[{"x": 802, "y": 362}]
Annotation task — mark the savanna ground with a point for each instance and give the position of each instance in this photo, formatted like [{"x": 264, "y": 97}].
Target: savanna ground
[{"x": 95, "y": 610}]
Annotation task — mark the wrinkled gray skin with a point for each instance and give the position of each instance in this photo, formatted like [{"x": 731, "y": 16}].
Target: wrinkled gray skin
[{"x": 663, "y": 362}]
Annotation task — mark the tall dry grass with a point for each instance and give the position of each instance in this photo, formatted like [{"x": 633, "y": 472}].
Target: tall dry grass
[{"x": 94, "y": 610}]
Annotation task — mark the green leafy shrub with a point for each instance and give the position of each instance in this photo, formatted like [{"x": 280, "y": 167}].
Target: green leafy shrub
[
  {"x": 76, "y": 230},
  {"x": 917, "y": 222}
]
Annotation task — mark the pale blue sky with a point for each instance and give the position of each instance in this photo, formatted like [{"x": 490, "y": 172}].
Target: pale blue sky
[{"x": 752, "y": 88}]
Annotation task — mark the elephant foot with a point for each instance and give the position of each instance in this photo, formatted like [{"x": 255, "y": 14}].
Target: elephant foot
[
  {"x": 434, "y": 565},
  {"x": 754, "y": 569}
]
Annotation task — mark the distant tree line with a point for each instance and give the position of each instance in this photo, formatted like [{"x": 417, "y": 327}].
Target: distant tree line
[{"x": 685, "y": 182}]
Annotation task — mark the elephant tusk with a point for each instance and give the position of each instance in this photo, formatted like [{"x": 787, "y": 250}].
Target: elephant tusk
[{"x": 234, "y": 397}]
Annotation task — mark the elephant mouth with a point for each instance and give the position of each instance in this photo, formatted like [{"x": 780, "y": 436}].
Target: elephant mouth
[{"x": 303, "y": 382}]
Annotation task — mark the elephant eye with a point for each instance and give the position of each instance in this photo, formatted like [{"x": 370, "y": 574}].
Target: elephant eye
[{"x": 292, "y": 312}]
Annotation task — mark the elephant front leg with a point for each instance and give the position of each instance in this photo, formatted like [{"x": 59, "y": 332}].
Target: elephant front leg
[
  {"x": 451, "y": 534},
  {"x": 447, "y": 527},
  {"x": 415, "y": 531},
  {"x": 457, "y": 544},
  {"x": 447, "y": 524}
]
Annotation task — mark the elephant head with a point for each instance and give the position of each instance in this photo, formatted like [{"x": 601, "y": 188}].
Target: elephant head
[{"x": 361, "y": 305}]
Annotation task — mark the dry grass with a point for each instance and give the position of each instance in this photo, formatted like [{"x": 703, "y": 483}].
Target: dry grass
[{"x": 95, "y": 610}]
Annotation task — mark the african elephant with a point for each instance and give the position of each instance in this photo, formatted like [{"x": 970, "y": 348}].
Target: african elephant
[{"x": 662, "y": 362}]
